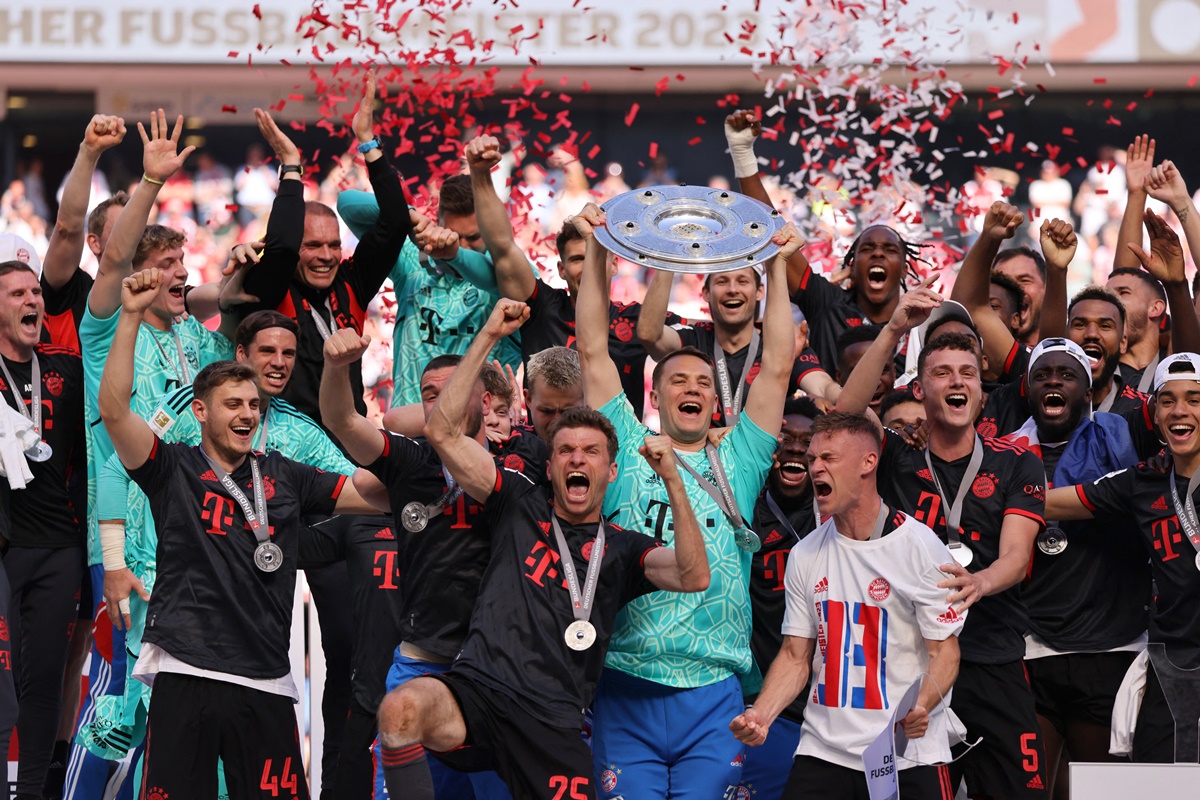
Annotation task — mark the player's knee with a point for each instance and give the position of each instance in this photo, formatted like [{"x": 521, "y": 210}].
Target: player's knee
[{"x": 399, "y": 717}]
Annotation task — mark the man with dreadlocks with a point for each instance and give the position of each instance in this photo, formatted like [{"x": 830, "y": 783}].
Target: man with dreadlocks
[{"x": 877, "y": 260}]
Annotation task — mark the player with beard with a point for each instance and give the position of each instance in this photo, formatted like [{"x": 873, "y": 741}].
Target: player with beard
[
  {"x": 43, "y": 548},
  {"x": 444, "y": 540},
  {"x": 677, "y": 660},
  {"x": 1088, "y": 589},
  {"x": 1157, "y": 509},
  {"x": 985, "y": 499},
  {"x": 899, "y": 628},
  {"x": 733, "y": 337},
  {"x": 227, "y": 563},
  {"x": 1145, "y": 302},
  {"x": 513, "y": 699},
  {"x": 878, "y": 260},
  {"x": 783, "y": 515}
]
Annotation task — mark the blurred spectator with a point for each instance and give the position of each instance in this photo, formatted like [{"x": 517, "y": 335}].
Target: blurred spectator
[
  {"x": 613, "y": 183},
  {"x": 1050, "y": 195},
  {"x": 212, "y": 188},
  {"x": 659, "y": 174},
  {"x": 256, "y": 184}
]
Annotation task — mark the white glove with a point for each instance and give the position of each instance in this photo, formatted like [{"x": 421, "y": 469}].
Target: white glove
[{"x": 741, "y": 148}]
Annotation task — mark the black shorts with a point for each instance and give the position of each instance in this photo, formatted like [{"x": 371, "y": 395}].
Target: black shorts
[
  {"x": 816, "y": 779},
  {"x": 995, "y": 703},
  {"x": 1077, "y": 687},
  {"x": 194, "y": 721},
  {"x": 537, "y": 761}
]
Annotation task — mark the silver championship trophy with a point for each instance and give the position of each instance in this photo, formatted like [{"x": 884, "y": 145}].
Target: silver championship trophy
[{"x": 689, "y": 229}]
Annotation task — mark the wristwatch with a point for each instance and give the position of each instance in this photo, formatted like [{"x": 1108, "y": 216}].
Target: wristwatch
[
  {"x": 284, "y": 169},
  {"x": 367, "y": 147}
]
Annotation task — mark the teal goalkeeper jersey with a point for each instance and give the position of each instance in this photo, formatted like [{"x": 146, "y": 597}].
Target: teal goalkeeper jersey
[
  {"x": 438, "y": 311},
  {"x": 686, "y": 640},
  {"x": 157, "y": 371},
  {"x": 288, "y": 431}
]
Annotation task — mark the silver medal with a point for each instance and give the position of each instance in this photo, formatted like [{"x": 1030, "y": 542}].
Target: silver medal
[
  {"x": 1197, "y": 560},
  {"x": 747, "y": 540},
  {"x": 1052, "y": 541},
  {"x": 962, "y": 554},
  {"x": 580, "y": 635},
  {"x": 268, "y": 557},
  {"x": 414, "y": 517},
  {"x": 39, "y": 452}
]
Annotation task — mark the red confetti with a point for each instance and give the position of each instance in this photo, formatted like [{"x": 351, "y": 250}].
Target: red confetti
[
  {"x": 1068, "y": 131},
  {"x": 1099, "y": 80},
  {"x": 695, "y": 140},
  {"x": 257, "y": 12},
  {"x": 997, "y": 114},
  {"x": 595, "y": 151},
  {"x": 1191, "y": 81},
  {"x": 633, "y": 110},
  {"x": 654, "y": 149},
  {"x": 228, "y": 109}
]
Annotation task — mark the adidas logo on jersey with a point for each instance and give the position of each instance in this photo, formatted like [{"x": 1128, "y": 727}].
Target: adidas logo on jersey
[
  {"x": 1035, "y": 783},
  {"x": 822, "y": 586},
  {"x": 924, "y": 475},
  {"x": 209, "y": 476},
  {"x": 385, "y": 533},
  {"x": 772, "y": 537},
  {"x": 1160, "y": 504},
  {"x": 950, "y": 617}
]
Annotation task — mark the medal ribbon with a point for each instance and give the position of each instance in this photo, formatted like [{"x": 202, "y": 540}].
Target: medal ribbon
[
  {"x": 256, "y": 515},
  {"x": 581, "y": 602},
  {"x": 1147, "y": 381},
  {"x": 322, "y": 326},
  {"x": 731, "y": 401},
  {"x": 779, "y": 515},
  {"x": 1113, "y": 391},
  {"x": 954, "y": 511},
  {"x": 182, "y": 373},
  {"x": 1187, "y": 511},
  {"x": 35, "y": 393},
  {"x": 721, "y": 494},
  {"x": 453, "y": 490}
]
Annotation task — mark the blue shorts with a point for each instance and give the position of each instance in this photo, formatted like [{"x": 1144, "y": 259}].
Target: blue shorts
[
  {"x": 768, "y": 765},
  {"x": 448, "y": 784},
  {"x": 651, "y": 742}
]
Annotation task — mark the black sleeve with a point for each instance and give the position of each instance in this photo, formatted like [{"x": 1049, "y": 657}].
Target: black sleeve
[
  {"x": 893, "y": 453},
  {"x": 688, "y": 336},
  {"x": 380, "y": 246},
  {"x": 816, "y": 296},
  {"x": 67, "y": 297},
  {"x": 270, "y": 278},
  {"x": 539, "y": 300},
  {"x": 1025, "y": 491},
  {"x": 1141, "y": 430},
  {"x": 510, "y": 487},
  {"x": 1110, "y": 495},
  {"x": 316, "y": 490},
  {"x": 399, "y": 457},
  {"x": 155, "y": 475}
]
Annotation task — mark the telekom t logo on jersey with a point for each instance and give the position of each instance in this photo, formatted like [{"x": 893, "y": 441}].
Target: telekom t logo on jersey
[{"x": 853, "y": 641}]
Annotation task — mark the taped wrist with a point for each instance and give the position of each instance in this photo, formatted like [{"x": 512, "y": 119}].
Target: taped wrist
[{"x": 112, "y": 546}]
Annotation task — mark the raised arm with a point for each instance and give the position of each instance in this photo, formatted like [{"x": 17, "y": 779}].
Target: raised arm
[
  {"x": 468, "y": 460},
  {"x": 70, "y": 229},
  {"x": 358, "y": 493},
  {"x": 1165, "y": 262},
  {"x": 768, "y": 393},
  {"x": 1166, "y": 185},
  {"x": 914, "y": 308},
  {"x": 972, "y": 287},
  {"x": 362, "y": 440},
  {"x": 1139, "y": 162},
  {"x": 653, "y": 332},
  {"x": 131, "y": 436},
  {"x": 513, "y": 274},
  {"x": 159, "y": 162},
  {"x": 785, "y": 680},
  {"x": 601, "y": 380},
  {"x": 1058, "y": 247},
  {"x": 1017, "y": 535},
  {"x": 268, "y": 280},
  {"x": 742, "y": 127},
  {"x": 683, "y": 568}
]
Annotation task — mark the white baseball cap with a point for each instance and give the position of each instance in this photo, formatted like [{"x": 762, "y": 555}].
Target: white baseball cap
[
  {"x": 1179, "y": 367},
  {"x": 14, "y": 248},
  {"x": 1057, "y": 344}
]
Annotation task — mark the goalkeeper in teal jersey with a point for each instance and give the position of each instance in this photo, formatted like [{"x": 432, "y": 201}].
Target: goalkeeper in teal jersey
[
  {"x": 267, "y": 341},
  {"x": 440, "y": 304},
  {"x": 675, "y": 660}
]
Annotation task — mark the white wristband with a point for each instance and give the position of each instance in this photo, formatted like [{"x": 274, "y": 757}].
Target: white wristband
[
  {"x": 741, "y": 149},
  {"x": 112, "y": 546}
]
